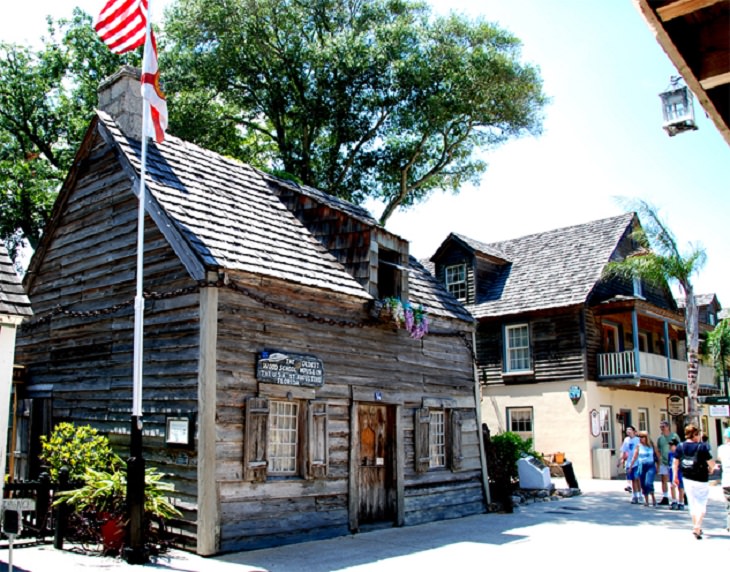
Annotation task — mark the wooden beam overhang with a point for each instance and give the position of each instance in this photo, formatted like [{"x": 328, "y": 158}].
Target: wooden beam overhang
[
  {"x": 652, "y": 385},
  {"x": 626, "y": 304},
  {"x": 683, "y": 8},
  {"x": 695, "y": 34}
]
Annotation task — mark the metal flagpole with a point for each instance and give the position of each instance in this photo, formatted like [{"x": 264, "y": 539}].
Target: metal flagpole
[{"x": 136, "y": 552}]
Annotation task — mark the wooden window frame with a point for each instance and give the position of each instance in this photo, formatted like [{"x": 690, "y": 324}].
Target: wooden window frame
[
  {"x": 312, "y": 448},
  {"x": 452, "y": 438},
  {"x": 606, "y": 420},
  {"x": 437, "y": 439},
  {"x": 510, "y": 421},
  {"x": 642, "y": 419},
  {"x": 285, "y": 438},
  {"x": 458, "y": 288},
  {"x": 509, "y": 349}
]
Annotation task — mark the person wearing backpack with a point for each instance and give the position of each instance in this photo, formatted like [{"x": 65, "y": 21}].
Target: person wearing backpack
[{"x": 694, "y": 459}]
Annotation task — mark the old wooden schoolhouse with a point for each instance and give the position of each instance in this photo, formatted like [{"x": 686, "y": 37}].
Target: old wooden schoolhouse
[{"x": 289, "y": 390}]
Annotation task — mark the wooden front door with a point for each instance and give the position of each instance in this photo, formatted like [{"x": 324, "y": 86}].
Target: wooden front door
[{"x": 375, "y": 459}]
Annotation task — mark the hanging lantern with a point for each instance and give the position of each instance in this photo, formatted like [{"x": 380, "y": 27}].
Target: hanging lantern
[{"x": 678, "y": 108}]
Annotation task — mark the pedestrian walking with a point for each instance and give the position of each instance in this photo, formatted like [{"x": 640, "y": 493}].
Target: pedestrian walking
[
  {"x": 676, "y": 489},
  {"x": 723, "y": 458},
  {"x": 662, "y": 445},
  {"x": 631, "y": 441},
  {"x": 646, "y": 463},
  {"x": 693, "y": 458}
]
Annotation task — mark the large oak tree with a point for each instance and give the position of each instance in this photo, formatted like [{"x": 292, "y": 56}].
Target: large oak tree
[{"x": 376, "y": 99}]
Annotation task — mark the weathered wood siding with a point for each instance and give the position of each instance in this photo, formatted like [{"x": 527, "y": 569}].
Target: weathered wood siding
[
  {"x": 87, "y": 358},
  {"x": 557, "y": 340},
  {"x": 358, "y": 362}
]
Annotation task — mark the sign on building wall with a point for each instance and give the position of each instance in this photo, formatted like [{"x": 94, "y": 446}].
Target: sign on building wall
[
  {"x": 675, "y": 405},
  {"x": 289, "y": 369}
]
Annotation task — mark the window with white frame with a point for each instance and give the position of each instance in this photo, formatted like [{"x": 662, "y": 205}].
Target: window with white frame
[
  {"x": 643, "y": 419},
  {"x": 606, "y": 416},
  {"x": 437, "y": 439},
  {"x": 455, "y": 278},
  {"x": 517, "y": 348},
  {"x": 283, "y": 437},
  {"x": 519, "y": 420}
]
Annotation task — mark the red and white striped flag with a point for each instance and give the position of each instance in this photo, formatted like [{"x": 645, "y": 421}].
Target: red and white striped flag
[
  {"x": 122, "y": 24},
  {"x": 151, "y": 91}
]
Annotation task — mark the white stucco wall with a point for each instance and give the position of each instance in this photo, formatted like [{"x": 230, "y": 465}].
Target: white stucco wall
[
  {"x": 8, "y": 329},
  {"x": 561, "y": 426}
]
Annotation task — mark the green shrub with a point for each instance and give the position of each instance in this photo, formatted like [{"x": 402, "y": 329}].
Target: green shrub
[
  {"x": 105, "y": 492},
  {"x": 78, "y": 448},
  {"x": 508, "y": 448}
]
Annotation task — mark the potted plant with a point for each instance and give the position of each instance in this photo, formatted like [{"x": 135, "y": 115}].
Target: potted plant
[
  {"x": 98, "y": 485},
  {"x": 102, "y": 498}
]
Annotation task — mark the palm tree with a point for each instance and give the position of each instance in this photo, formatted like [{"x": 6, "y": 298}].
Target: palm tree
[
  {"x": 717, "y": 346},
  {"x": 660, "y": 261}
]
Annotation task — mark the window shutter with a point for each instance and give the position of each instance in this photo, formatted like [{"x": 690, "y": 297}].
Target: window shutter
[
  {"x": 457, "y": 457},
  {"x": 422, "y": 425},
  {"x": 318, "y": 442},
  {"x": 256, "y": 432}
]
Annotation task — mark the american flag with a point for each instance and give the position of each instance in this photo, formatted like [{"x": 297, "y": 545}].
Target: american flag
[{"x": 122, "y": 24}]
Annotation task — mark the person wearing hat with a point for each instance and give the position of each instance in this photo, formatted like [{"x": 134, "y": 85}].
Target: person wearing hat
[
  {"x": 662, "y": 445},
  {"x": 723, "y": 458}
]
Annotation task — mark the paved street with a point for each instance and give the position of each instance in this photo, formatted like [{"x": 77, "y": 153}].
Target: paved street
[{"x": 598, "y": 530}]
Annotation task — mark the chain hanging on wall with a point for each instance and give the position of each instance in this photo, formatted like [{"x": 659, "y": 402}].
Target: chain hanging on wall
[{"x": 152, "y": 295}]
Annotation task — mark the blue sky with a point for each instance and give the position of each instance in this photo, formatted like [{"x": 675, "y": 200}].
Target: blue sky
[{"x": 602, "y": 137}]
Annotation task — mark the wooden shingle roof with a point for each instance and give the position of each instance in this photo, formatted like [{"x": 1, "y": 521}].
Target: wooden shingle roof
[
  {"x": 13, "y": 301},
  {"x": 229, "y": 217},
  {"x": 700, "y": 299},
  {"x": 553, "y": 269}
]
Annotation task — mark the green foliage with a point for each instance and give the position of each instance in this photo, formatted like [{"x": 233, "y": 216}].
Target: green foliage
[
  {"x": 717, "y": 347},
  {"x": 105, "y": 492},
  {"x": 78, "y": 448},
  {"x": 508, "y": 448},
  {"x": 47, "y": 97},
  {"x": 361, "y": 99}
]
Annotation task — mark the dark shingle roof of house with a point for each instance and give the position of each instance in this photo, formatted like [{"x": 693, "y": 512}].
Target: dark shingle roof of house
[
  {"x": 13, "y": 300},
  {"x": 700, "y": 300},
  {"x": 231, "y": 218},
  {"x": 552, "y": 269}
]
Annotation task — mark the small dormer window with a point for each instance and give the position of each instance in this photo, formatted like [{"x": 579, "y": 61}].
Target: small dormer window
[
  {"x": 711, "y": 317},
  {"x": 389, "y": 274},
  {"x": 455, "y": 277}
]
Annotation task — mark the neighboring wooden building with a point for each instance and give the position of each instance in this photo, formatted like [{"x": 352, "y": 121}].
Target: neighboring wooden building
[
  {"x": 14, "y": 308},
  {"x": 566, "y": 357},
  {"x": 282, "y": 404}
]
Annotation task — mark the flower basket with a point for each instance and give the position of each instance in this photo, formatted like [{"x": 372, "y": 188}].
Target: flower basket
[{"x": 404, "y": 315}]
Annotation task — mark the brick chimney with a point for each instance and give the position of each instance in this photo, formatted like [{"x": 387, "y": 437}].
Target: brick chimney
[{"x": 120, "y": 97}]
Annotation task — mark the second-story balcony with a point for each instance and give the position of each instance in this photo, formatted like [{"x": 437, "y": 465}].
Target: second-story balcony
[{"x": 623, "y": 365}]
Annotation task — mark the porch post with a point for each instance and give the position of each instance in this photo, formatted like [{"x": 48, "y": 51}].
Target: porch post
[
  {"x": 666, "y": 350},
  {"x": 635, "y": 328}
]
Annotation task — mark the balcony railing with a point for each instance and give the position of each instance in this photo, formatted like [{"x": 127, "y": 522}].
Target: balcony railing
[{"x": 623, "y": 364}]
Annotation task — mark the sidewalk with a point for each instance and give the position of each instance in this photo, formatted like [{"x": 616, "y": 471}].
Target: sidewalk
[{"x": 598, "y": 530}]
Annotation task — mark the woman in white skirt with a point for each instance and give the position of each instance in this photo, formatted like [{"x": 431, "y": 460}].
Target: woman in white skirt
[{"x": 693, "y": 458}]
